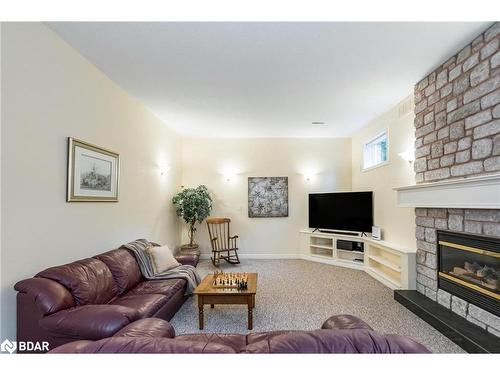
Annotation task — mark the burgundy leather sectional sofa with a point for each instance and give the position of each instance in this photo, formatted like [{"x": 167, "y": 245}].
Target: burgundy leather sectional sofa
[
  {"x": 93, "y": 298},
  {"x": 339, "y": 334}
]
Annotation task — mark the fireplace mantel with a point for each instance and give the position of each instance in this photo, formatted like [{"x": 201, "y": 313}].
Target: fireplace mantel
[{"x": 469, "y": 192}]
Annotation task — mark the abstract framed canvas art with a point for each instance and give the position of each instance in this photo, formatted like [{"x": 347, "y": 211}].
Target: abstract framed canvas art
[
  {"x": 267, "y": 196},
  {"x": 93, "y": 173}
]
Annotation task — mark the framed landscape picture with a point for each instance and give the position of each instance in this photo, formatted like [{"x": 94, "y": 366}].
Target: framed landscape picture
[
  {"x": 267, "y": 196},
  {"x": 93, "y": 173}
]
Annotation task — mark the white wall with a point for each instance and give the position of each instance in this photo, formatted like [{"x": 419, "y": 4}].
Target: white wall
[
  {"x": 50, "y": 92},
  {"x": 205, "y": 161},
  {"x": 398, "y": 224}
]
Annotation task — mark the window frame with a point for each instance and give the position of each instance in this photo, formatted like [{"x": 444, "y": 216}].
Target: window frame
[{"x": 385, "y": 162}]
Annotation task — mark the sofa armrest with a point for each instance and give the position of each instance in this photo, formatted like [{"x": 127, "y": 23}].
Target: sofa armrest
[
  {"x": 148, "y": 327},
  {"x": 345, "y": 322},
  {"x": 188, "y": 259},
  {"x": 89, "y": 322},
  {"x": 48, "y": 295}
]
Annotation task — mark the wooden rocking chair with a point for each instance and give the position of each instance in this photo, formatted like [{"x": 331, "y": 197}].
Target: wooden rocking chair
[{"x": 222, "y": 241}]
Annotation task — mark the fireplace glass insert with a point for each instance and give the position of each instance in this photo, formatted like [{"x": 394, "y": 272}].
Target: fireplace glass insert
[{"x": 469, "y": 267}]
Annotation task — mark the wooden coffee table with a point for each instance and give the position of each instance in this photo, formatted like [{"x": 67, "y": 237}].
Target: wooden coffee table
[{"x": 209, "y": 295}]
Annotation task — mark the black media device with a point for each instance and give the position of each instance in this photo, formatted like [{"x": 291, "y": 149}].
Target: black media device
[
  {"x": 349, "y": 211},
  {"x": 350, "y": 245}
]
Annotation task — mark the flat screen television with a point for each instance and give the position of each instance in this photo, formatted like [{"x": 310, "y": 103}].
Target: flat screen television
[{"x": 350, "y": 211}]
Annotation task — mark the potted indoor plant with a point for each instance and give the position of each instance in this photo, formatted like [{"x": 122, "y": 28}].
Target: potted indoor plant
[{"x": 193, "y": 205}]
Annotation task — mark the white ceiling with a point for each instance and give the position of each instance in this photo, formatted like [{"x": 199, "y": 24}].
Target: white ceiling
[{"x": 267, "y": 79}]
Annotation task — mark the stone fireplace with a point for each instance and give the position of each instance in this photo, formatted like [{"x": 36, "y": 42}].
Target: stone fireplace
[
  {"x": 457, "y": 131},
  {"x": 431, "y": 222}
]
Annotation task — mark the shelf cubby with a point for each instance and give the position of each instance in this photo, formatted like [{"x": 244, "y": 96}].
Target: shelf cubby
[{"x": 393, "y": 266}]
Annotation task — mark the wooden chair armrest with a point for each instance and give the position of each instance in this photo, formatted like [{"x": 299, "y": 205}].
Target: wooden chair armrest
[
  {"x": 234, "y": 237},
  {"x": 213, "y": 239}
]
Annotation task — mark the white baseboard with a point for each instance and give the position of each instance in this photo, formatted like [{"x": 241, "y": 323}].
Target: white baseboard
[{"x": 260, "y": 256}]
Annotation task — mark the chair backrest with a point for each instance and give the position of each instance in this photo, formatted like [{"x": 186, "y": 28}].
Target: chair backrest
[{"x": 218, "y": 230}]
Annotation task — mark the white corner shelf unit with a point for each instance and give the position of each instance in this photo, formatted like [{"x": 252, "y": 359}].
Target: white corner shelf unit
[
  {"x": 391, "y": 265},
  {"x": 322, "y": 247}
]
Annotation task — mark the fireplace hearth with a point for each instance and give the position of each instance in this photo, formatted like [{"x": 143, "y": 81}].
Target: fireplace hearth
[{"x": 469, "y": 267}]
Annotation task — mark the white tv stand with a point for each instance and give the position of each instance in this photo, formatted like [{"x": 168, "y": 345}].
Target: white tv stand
[
  {"x": 393, "y": 266},
  {"x": 321, "y": 246}
]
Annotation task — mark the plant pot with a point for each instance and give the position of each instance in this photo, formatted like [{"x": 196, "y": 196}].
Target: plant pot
[{"x": 190, "y": 249}]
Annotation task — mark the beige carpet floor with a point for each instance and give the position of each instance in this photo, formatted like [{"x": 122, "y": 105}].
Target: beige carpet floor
[{"x": 315, "y": 292}]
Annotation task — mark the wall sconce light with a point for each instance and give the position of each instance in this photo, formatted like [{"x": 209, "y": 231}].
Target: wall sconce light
[
  {"x": 230, "y": 173},
  {"x": 407, "y": 155},
  {"x": 308, "y": 176},
  {"x": 163, "y": 169}
]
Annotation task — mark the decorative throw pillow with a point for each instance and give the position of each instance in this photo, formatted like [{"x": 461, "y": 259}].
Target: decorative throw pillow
[{"x": 162, "y": 258}]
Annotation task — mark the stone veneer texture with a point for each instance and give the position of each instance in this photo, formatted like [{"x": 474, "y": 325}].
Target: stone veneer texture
[
  {"x": 457, "y": 132},
  {"x": 457, "y": 111}
]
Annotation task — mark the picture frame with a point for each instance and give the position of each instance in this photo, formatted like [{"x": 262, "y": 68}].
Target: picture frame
[
  {"x": 93, "y": 173},
  {"x": 267, "y": 197}
]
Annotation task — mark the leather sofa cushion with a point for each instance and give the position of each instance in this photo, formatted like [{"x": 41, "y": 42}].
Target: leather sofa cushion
[
  {"x": 49, "y": 296},
  {"x": 72, "y": 347},
  {"x": 234, "y": 341},
  {"x": 124, "y": 268},
  {"x": 89, "y": 280},
  {"x": 143, "y": 345},
  {"x": 336, "y": 341},
  {"x": 165, "y": 287},
  {"x": 252, "y": 338},
  {"x": 148, "y": 327},
  {"x": 146, "y": 305},
  {"x": 89, "y": 322}
]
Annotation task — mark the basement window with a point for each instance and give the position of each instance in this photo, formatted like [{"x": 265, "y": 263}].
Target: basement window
[{"x": 376, "y": 152}]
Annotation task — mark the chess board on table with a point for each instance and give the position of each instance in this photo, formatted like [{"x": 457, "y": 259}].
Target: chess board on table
[{"x": 236, "y": 280}]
